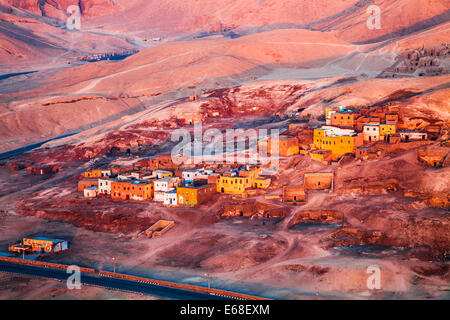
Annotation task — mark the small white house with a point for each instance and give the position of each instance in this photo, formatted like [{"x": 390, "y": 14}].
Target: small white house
[
  {"x": 166, "y": 184},
  {"x": 104, "y": 186},
  {"x": 106, "y": 173},
  {"x": 208, "y": 171},
  {"x": 90, "y": 192},
  {"x": 124, "y": 177},
  {"x": 371, "y": 132},
  {"x": 170, "y": 198},
  {"x": 412, "y": 136},
  {"x": 190, "y": 175},
  {"x": 159, "y": 174}
]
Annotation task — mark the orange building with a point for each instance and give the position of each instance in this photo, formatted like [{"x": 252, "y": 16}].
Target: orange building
[
  {"x": 344, "y": 119},
  {"x": 362, "y": 121},
  {"x": 294, "y": 194},
  {"x": 135, "y": 190},
  {"x": 287, "y": 145},
  {"x": 392, "y": 117},
  {"x": 191, "y": 196},
  {"x": 319, "y": 180},
  {"x": 87, "y": 183}
]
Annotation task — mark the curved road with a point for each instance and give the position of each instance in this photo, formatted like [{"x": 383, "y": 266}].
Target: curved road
[{"x": 106, "y": 282}]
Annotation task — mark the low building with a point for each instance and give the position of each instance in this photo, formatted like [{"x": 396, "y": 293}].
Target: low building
[
  {"x": 45, "y": 245},
  {"x": 344, "y": 119},
  {"x": 93, "y": 174},
  {"x": 171, "y": 198},
  {"x": 319, "y": 181},
  {"x": 371, "y": 132},
  {"x": 43, "y": 169},
  {"x": 294, "y": 194},
  {"x": 323, "y": 156},
  {"x": 189, "y": 175},
  {"x": 125, "y": 176},
  {"x": 159, "y": 228},
  {"x": 362, "y": 121},
  {"x": 87, "y": 183},
  {"x": 407, "y": 136},
  {"x": 261, "y": 183},
  {"x": 160, "y": 174},
  {"x": 233, "y": 185},
  {"x": 392, "y": 117},
  {"x": 387, "y": 130},
  {"x": 213, "y": 177},
  {"x": 195, "y": 195},
  {"x": 166, "y": 184},
  {"x": 339, "y": 141},
  {"x": 161, "y": 161},
  {"x": 90, "y": 192},
  {"x": 161, "y": 186},
  {"x": 132, "y": 190},
  {"x": 141, "y": 175},
  {"x": 288, "y": 146},
  {"x": 104, "y": 186}
]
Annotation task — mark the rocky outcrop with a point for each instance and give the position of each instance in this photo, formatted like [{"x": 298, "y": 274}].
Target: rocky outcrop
[
  {"x": 316, "y": 216},
  {"x": 352, "y": 237},
  {"x": 252, "y": 209},
  {"x": 424, "y": 62}
]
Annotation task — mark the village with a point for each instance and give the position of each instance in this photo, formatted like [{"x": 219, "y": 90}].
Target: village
[
  {"x": 344, "y": 134},
  {"x": 362, "y": 134}
]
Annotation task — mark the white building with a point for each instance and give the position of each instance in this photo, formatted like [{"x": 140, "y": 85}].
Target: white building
[
  {"x": 330, "y": 131},
  {"x": 90, "y": 192},
  {"x": 170, "y": 198},
  {"x": 208, "y": 171},
  {"x": 190, "y": 175},
  {"x": 104, "y": 185},
  {"x": 124, "y": 177},
  {"x": 413, "y": 136},
  {"x": 371, "y": 132},
  {"x": 166, "y": 184},
  {"x": 159, "y": 174},
  {"x": 106, "y": 173}
]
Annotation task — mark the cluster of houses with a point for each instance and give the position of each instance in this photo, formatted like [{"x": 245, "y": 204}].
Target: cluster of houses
[
  {"x": 170, "y": 186},
  {"x": 345, "y": 131},
  {"x": 348, "y": 131}
]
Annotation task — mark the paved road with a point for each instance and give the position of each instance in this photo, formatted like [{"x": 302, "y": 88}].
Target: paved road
[{"x": 121, "y": 284}]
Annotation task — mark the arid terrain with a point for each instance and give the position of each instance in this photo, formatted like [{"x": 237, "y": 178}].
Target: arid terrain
[{"x": 111, "y": 95}]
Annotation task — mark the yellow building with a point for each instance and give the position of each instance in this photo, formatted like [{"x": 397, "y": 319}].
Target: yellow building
[
  {"x": 387, "y": 129},
  {"x": 261, "y": 183},
  {"x": 234, "y": 185},
  {"x": 338, "y": 141}
]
